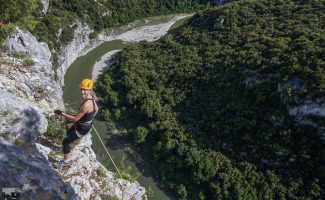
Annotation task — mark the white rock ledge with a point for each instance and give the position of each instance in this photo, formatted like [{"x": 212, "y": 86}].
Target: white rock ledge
[{"x": 90, "y": 184}]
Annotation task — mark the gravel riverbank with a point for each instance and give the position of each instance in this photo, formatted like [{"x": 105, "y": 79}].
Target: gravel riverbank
[{"x": 147, "y": 32}]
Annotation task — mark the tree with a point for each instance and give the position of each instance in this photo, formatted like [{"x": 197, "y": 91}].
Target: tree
[
  {"x": 106, "y": 114},
  {"x": 140, "y": 134},
  {"x": 181, "y": 192}
]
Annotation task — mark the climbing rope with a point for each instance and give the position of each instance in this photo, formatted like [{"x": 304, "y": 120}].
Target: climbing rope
[{"x": 109, "y": 155}]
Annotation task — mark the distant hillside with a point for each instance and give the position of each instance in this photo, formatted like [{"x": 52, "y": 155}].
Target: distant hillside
[
  {"x": 231, "y": 104},
  {"x": 54, "y": 25},
  {"x": 104, "y": 14}
]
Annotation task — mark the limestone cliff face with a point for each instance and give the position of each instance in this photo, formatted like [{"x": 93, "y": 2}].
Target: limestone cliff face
[
  {"x": 33, "y": 82},
  {"x": 45, "y": 5},
  {"x": 94, "y": 180},
  {"x": 22, "y": 120},
  {"x": 73, "y": 50},
  {"x": 28, "y": 95}
]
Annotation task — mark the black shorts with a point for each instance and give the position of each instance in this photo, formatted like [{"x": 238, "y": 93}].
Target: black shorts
[{"x": 72, "y": 136}]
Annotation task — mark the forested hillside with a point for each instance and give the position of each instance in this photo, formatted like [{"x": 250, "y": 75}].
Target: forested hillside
[
  {"x": 208, "y": 105},
  {"x": 56, "y": 26},
  {"x": 105, "y": 14}
]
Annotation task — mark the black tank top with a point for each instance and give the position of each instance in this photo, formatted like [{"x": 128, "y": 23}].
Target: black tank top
[{"x": 86, "y": 121}]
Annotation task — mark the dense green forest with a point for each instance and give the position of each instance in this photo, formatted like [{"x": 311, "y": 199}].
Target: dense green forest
[
  {"x": 56, "y": 27},
  {"x": 208, "y": 105},
  {"x": 103, "y": 14}
]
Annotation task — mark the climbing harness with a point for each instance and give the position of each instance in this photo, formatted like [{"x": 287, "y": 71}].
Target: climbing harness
[{"x": 109, "y": 155}]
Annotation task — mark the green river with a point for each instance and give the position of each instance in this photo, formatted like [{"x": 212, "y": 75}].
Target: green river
[{"x": 82, "y": 68}]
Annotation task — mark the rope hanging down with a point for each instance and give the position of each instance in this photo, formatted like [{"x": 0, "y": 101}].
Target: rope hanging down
[{"x": 107, "y": 151}]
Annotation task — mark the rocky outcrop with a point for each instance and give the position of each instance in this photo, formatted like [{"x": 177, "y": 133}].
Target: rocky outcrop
[
  {"x": 22, "y": 167},
  {"x": 28, "y": 94},
  {"x": 20, "y": 121},
  {"x": 21, "y": 164},
  {"x": 301, "y": 104},
  {"x": 32, "y": 81},
  {"x": 309, "y": 108},
  {"x": 96, "y": 181},
  {"x": 24, "y": 42},
  {"x": 45, "y": 5},
  {"x": 219, "y": 2},
  {"x": 304, "y": 113}
]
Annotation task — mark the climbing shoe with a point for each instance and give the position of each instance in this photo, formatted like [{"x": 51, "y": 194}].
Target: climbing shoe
[
  {"x": 57, "y": 149},
  {"x": 60, "y": 164}
]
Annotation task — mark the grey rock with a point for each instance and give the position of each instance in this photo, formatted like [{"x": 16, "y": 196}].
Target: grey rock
[
  {"x": 24, "y": 42},
  {"x": 19, "y": 120},
  {"x": 219, "y": 2},
  {"x": 45, "y": 5},
  {"x": 29, "y": 171},
  {"x": 43, "y": 150},
  {"x": 36, "y": 83},
  {"x": 91, "y": 185},
  {"x": 309, "y": 108}
]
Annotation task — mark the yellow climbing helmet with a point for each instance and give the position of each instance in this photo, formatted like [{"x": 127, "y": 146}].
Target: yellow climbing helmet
[{"x": 86, "y": 84}]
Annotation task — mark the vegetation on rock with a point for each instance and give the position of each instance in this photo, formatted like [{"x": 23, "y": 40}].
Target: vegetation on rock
[{"x": 15, "y": 12}]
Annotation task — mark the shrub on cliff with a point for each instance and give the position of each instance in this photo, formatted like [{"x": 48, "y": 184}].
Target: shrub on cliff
[
  {"x": 15, "y": 12},
  {"x": 56, "y": 132}
]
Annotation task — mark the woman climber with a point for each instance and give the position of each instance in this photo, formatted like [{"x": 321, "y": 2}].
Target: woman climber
[{"x": 82, "y": 121}]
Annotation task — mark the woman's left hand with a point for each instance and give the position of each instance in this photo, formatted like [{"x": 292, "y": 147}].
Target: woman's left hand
[{"x": 58, "y": 112}]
